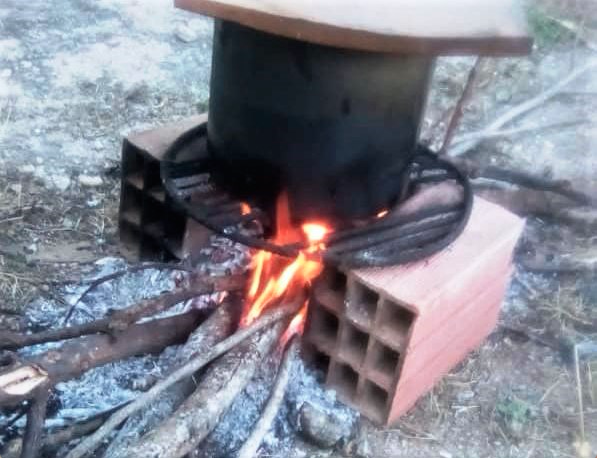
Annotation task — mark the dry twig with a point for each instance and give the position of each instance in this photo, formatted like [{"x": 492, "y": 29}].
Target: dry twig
[
  {"x": 121, "y": 273},
  {"x": 527, "y": 180},
  {"x": 121, "y": 319},
  {"x": 458, "y": 109},
  {"x": 217, "y": 327},
  {"x": 21, "y": 381},
  {"x": 523, "y": 108},
  {"x": 251, "y": 446},
  {"x": 55, "y": 439},
  {"x": 182, "y": 432},
  {"x": 36, "y": 418},
  {"x": 93, "y": 441}
]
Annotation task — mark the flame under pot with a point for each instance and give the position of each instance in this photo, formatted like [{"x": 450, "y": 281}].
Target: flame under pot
[{"x": 336, "y": 128}]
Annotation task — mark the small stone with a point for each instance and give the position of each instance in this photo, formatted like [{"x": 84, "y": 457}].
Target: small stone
[
  {"x": 465, "y": 395},
  {"x": 61, "y": 182},
  {"x": 186, "y": 34},
  {"x": 363, "y": 449},
  {"x": 137, "y": 93},
  {"x": 503, "y": 95},
  {"x": 28, "y": 168},
  {"x": 93, "y": 202},
  {"x": 90, "y": 181},
  {"x": 31, "y": 248},
  {"x": 17, "y": 188},
  {"x": 320, "y": 427}
]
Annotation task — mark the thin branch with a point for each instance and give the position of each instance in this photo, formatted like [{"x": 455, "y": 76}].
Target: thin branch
[
  {"x": 36, "y": 418},
  {"x": 252, "y": 444},
  {"x": 484, "y": 135},
  {"x": 458, "y": 110},
  {"x": 120, "y": 319},
  {"x": 523, "y": 108},
  {"x": 75, "y": 357},
  {"x": 120, "y": 273},
  {"x": 223, "y": 381},
  {"x": 91, "y": 443},
  {"x": 216, "y": 328},
  {"x": 524, "y": 179},
  {"x": 53, "y": 440}
]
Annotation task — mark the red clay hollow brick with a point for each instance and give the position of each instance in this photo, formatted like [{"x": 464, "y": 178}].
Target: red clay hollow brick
[
  {"x": 383, "y": 337},
  {"x": 150, "y": 227}
]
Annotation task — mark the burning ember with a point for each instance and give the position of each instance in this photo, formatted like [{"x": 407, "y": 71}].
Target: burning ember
[{"x": 275, "y": 279}]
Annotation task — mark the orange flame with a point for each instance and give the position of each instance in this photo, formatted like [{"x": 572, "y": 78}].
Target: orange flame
[
  {"x": 296, "y": 326},
  {"x": 382, "y": 213},
  {"x": 276, "y": 280},
  {"x": 245, "y": 208}
]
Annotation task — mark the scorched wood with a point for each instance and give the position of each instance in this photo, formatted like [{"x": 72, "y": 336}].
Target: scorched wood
[
  {"x": 217, "y": 327},
  {"x": 202, "y": 411},
  {"x": 78, "y": 356},
  {"x": 120, "y": 319}
]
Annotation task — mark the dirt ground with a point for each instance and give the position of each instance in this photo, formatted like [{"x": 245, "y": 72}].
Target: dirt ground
[{"x": 78, "y": 75}]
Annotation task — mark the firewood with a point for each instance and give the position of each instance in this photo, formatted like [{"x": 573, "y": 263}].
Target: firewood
[
  {"x": 120, "y": 319},
  {"x": 525, "y": 202},
  {"x": 91, "y": 443},
  {"x": 121, "y": 273},
  {"x": 217, "y": 327},
  {"x": 525, "y": 107},
  {"x": 458, "y": 109},
  {"x": 53, "y": 440},
  {"x": 200, "y": 413},
  {"x": 524, "y": 179},
  {"x": 20, "y": 382},
  {"x": 252, "y": 444},
  {"x": 36, "y": 418}
]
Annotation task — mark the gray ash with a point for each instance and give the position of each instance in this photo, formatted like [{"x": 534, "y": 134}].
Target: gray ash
[
  {"x": 109, "y": 386},
  {"x": 305, "y": 385}
]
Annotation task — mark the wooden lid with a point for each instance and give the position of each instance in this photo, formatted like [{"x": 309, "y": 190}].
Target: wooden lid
[{"x": 432, "y": 27}]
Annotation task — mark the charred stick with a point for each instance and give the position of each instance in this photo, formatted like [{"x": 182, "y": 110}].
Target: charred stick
[
  {"x": 120, "y": 273},
  {"x": 458, "y": 109},
  {"x": 217, "y": 327},
  {"x": 36, "y": 418},
  {"x": 251, "y": 446},
  {"x": 524, "y": 202},
  {"x": 526, "y": 180},
  {"x": 523, "y": 108},
  {"x": 120, "y": 319},
  {"x": 394, "y": 222},
  {"x": 224, "y": 209},
  {"x": 408, "y": 233},
  {"x": 200, "y": 413},
  {"x": 78, "y": 356},
  {"x": 91, "y": 443},
  {"x": 404, "y": 252},
  {"x": 53, "y": 440}
]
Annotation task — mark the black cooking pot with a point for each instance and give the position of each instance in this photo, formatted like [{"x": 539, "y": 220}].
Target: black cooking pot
[{"x": 335, "y": 128}]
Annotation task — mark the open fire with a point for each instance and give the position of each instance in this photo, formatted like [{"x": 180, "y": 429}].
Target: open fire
[{"x": 275, "y": 279}]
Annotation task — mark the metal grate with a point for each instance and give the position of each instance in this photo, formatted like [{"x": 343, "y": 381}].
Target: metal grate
[{"x": 393, "y": 239}]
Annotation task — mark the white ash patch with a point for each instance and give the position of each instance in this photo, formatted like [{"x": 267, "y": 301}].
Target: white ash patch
[
  {"x": 236, "y": 425},
  {"x": 123, "y": 59},
  {"x": 111, "y": 385},
  {"x": 154, "y": 16},
  {"x": 10, "y": 49},
  {"x": 108, "y": 386}
]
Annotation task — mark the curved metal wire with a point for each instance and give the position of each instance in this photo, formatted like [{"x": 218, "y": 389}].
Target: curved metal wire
[{"x": 394, "y": 239}]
